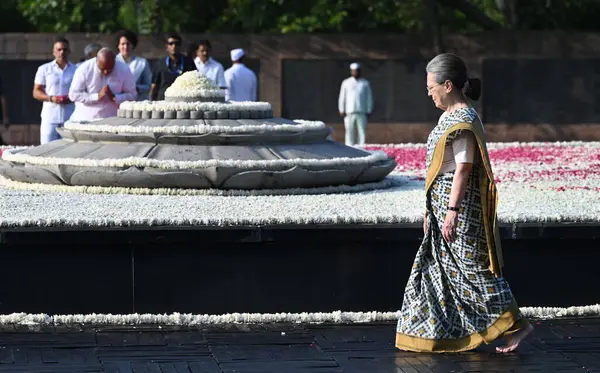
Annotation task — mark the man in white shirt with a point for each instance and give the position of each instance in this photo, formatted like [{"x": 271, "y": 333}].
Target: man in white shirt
[
  {"x": 99, "y": 86},
  {"x": 241, "y": 81},
  {"x": 355, "y": 104},
  {"x": 51, "y": 86},
  {"x": 208, "y": 66}
]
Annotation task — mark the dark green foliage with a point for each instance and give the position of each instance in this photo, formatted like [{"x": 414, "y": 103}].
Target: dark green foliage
[{"x": 289, "y": 16}]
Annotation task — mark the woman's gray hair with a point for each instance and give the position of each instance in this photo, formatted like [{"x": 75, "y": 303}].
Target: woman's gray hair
[
  {"x": 450, "y": 67},
  {"x": 91, "y": 50}
]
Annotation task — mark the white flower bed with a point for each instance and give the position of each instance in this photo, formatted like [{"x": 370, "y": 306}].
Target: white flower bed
[
  {"x": 191, "y": 320},
  {"x": 196, "y": 129},
  {"x": 195, "y": 106},
  {"x": 45, "y": 205},
  {"x": 561, "y": 188}
]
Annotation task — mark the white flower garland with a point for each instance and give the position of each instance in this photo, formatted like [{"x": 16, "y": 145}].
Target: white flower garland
[
  {"x": 196, "y": 129},
  {"x": 187, "y": 319},
  {"x": 195, "y": 106},
  {"x": 384, "y": 184},
  {"x": 10, "y": 155},
  {"x": 188, "y": 93},
  {"x": 193, "y": 84}
]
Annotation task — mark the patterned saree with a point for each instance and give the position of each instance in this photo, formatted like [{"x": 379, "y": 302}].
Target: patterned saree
[{"x": 456, "y": 297}]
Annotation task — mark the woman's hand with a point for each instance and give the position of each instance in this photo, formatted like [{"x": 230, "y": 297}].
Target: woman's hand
[{"x": 449, "y": 227}]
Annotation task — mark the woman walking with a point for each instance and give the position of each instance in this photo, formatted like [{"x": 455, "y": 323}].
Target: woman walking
[{"x": 456, "y": 297}]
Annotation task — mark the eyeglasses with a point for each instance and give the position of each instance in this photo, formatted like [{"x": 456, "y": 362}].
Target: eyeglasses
[
  {"x": 174, "y": 43},
  {"x": 432, "y": 87}
]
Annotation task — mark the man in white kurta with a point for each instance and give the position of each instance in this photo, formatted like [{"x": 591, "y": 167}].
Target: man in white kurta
[
  {"x": 355, "y": 103},
  {"x": 51, "y": 86},
  {"x": 207, "y": 66},
  {"x": 99, "y": 86},
  {"x": 241, "y": 81}
]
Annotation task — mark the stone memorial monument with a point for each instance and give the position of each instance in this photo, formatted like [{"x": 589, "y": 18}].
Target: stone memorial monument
[{"x": 194, "y": 139}]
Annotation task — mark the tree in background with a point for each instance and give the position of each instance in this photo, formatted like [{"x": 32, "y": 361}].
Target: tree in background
[
  {"x": 289, "y": 16},
  {"x": 12, "y": 19},
  {"x": 71, "y": 15}
]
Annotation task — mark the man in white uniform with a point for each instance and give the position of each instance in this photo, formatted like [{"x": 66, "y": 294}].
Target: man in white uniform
[
  {"x": 99, "y": 86},
  {"x": 355, "y": 104},
  {"x": 208, "y": 66},
  {"x": 51, "y": 86},
  {"x": 241, "y": 81}
]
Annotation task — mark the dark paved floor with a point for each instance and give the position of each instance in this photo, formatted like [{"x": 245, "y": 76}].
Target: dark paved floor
[{"x": 556, "y": 346}]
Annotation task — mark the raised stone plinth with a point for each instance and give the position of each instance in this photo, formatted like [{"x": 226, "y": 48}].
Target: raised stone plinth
[{"x": 225, "y": 154}]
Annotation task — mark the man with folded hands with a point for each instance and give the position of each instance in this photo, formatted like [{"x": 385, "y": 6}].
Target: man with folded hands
[{"x": 99, "y": 86}]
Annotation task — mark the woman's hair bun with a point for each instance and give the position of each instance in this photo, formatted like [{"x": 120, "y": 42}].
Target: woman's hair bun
[{"x": 472, "y": 88}]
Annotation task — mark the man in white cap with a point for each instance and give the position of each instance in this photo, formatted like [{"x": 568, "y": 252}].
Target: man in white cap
[
  {"x": 355, "y": 104},
  {"x": 241, "y": 81}
]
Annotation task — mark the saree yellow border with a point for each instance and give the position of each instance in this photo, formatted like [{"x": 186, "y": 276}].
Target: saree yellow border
[
  {"x": 489, "y": 192},
  {"x": 506, "y": 324}
]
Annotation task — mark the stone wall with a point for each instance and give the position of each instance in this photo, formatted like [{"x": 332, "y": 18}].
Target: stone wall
[{"x": 537, "y": 85}]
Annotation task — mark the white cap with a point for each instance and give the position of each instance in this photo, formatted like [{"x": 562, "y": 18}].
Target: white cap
[
  {"x": 236, "y": 54},
  {"x": 354, "y": 66}
]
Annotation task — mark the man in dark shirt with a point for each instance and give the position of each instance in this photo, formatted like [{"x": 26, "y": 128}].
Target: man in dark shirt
[{"x": 167, "y": 69}]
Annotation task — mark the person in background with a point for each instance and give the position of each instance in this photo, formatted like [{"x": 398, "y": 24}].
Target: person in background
[
  {"x": 140, "y": 68},
  {"x": 90, "y": 51},
  {"x": 241, "y": 82},
  {"x": 355, "y": 103},
  {"x": 99, "y": 86},
  {"x": 168, "y": 69},
  {"x": 190, "y": 52},
  {"x": 3, "y": 112},
  {"x": 207, "y": 65},
  {"x": 51, "y": 86}
]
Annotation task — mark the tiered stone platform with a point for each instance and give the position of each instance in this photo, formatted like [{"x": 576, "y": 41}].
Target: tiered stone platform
[{"x": 194, "y": 139}]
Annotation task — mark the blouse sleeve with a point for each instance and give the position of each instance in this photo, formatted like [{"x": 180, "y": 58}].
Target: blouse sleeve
[{"x": 463, "y": 147}]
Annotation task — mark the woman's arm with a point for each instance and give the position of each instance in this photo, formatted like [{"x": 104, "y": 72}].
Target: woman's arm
[
  {"x": 459, "y": 183},
  {"x": 459, "y": 186},
  {"x": 463, "y": 147}
]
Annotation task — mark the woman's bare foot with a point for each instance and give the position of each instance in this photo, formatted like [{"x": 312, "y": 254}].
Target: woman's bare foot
[{"x": 513, "y": 340}]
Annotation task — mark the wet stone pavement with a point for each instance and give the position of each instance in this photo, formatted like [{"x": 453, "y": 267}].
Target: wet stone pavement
[{"x": 569, "y": 345}]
